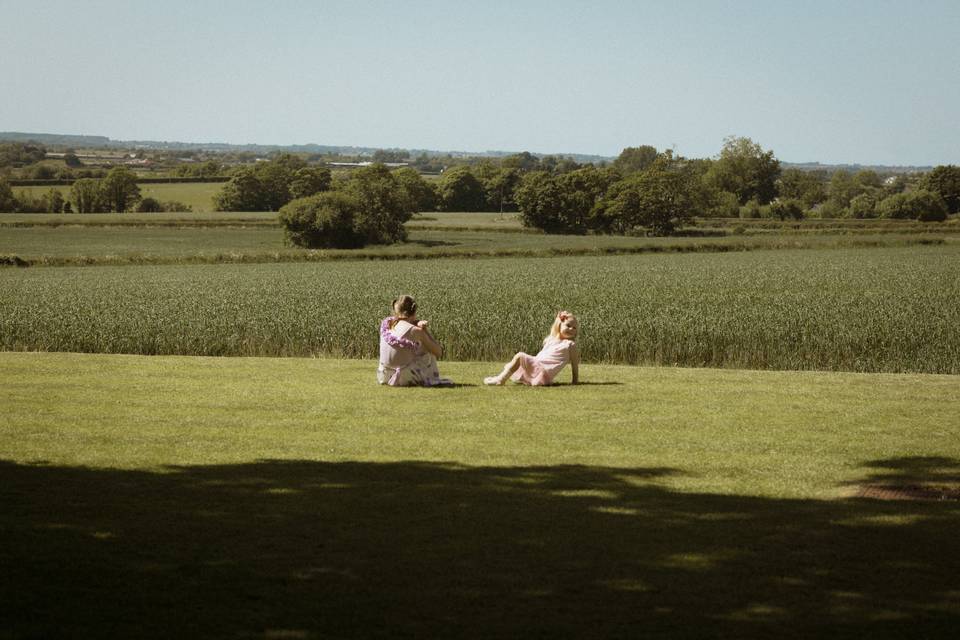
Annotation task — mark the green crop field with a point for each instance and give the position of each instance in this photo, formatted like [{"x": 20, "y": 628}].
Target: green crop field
[
  {"x": 884, "y": 309},
  {"x": 91, "y": 239}
]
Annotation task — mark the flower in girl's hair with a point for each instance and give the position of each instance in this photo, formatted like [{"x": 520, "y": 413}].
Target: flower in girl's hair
[{"x": 563, "y": 315}]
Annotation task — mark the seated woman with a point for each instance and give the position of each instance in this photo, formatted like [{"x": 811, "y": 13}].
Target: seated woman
[{"x": 408, "y": 353}]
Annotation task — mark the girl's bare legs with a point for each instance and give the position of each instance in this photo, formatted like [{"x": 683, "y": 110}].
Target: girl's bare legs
[{"x": 508, "y": 369}]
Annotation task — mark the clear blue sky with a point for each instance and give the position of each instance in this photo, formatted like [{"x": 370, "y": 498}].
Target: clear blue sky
[{"x": 868, "y": 82}]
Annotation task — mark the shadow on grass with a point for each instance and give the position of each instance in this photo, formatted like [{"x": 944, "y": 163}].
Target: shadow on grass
[
  {"x": 421, "y": 549},
  {"x": 433, "y": 243}
]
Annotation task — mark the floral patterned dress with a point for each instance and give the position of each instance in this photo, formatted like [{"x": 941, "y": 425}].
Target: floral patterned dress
[{"x": 404, "y": 362}]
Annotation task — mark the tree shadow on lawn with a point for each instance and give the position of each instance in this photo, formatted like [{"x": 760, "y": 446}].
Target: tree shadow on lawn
[{"x": 299, "y": 549}]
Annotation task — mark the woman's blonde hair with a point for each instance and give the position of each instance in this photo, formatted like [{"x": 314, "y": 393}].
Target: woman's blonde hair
[{"x": 555, "y": 327}]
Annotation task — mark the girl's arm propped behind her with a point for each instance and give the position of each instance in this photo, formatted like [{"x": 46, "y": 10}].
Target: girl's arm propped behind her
[{"x": 575, "y": 362}]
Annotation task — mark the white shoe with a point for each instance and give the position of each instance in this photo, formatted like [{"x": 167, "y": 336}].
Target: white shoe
[{"x": 493, "y": 381}]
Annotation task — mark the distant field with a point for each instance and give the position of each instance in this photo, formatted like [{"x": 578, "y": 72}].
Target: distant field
[
  {"x": 881, "y": 309},
  {"x": 229, "y": 237},
  {"x": 166, "y": 219},
  {"x": 198, "y": 195}
]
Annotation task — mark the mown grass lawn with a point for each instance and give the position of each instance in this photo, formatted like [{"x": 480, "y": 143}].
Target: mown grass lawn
[{"x": 248, "y": 497}]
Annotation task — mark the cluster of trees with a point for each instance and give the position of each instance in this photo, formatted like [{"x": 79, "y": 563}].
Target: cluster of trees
[
  {"x": 662, "y": 195},
  {"x": 269, "y": 185},
  {"x": 656, "y": 192},
  {"x": 642, "y": 190},
  {"x": 26, "y": 160},
  {"x": 207, "y": 169},
  {"x": 865, "y": 194},
  {"x": 649, "y": 190},
  {"x": 51, "y": 201},
  {"x": 19, "y": 154},
  {"x": 367, "y": 206},
  {"x": 117, "y": 191}
]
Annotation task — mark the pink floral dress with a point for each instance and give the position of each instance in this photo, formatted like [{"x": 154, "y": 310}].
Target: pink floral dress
[
  {"x": 404, "y": 362},
  {"x": 542, "y": 368}
]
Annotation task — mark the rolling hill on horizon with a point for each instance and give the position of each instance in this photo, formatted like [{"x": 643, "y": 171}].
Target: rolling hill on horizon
[{"x": 98, "y": 141}]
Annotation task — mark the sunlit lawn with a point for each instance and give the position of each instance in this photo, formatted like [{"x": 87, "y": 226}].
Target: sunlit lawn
[{"x": 171, "y": 496}]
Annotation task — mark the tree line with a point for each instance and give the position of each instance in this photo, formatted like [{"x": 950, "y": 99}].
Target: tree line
[
  {"x": 642, "y": 191},
  {"x": 116, "y": 192}
]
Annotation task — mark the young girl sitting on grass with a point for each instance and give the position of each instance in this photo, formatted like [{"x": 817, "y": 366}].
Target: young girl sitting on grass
[
  {"x": 558, "y": 349},
  {"x": 408, "y": 351}
]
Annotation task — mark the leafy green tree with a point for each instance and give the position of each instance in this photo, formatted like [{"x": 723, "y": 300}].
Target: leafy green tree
[
  {"x": 633, "y": 159},
  {"x": 746, "y": 170},
  {"x": 209, "y": 169},
  {"x": 868, "y": 180},
  {"x": 242, "y": 193},
  {"x": 289, "y": 161},
  {"x": 20, "y": 154},
  {"x": 914, "y": 205},
  {"x": 564, "y": 203},
  {"x": 324, "y": 220},
  {"x": 843, "y": 189},
  {"x": 7, "y": 202},
  {"x": 383, "y": 205},
  {"x": 721, "y": 204},
  {"x": 149, "y": 205},
  {"x": 309, "y": 180},
  {"x": 787, "y": 209},
  {"x": 268, "y": 186},
  {"x": 660, "y": 198},
  {"x": 499, "y": 189},
  {"x": 460, "y": 190},
  {"x": 87, "y": 196},
  {"x": 71, "y": 159},
  {"x": 806, "y": 186},
  {"x": 863, "y": 206},
  {"x": 524, "y": 161},
  {"x": 945, "y": 181},
  {"x": 421, "y": 193},
  {"x": 53, "y": 201},
  {"x": 42, "y": 172},
  {"x": 566, "y": 165},
  {"x": 275, "y": 179},
  {"x": 539, "y": 199},
  {"x": 391, "y": 155},
  {"x": 120, "y": 190},
  {"x": 752, "y": 209}
]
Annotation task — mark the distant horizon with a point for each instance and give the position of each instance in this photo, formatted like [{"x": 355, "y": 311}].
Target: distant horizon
[
  {"x": 868, "y": 82},
  {"x": 465, "y": 152}
]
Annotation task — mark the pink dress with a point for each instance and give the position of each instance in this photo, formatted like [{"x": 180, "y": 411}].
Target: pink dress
[{"x": 542, "y": 368}]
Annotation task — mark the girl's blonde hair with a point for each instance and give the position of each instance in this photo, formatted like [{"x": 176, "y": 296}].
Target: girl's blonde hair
[
  {"x": 403, "y": 307},
  {"x": 555, "y": 327}
]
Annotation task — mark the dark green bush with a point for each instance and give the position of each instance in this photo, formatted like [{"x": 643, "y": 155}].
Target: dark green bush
[
  {"x": 914, "y": 205},
  {"x": 326, "y": 220},
  {"x": 149, "y": 205},
  {"x": 787, "y": 209}
]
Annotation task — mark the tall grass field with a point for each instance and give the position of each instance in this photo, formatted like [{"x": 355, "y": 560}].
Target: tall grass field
[{"x": 886, "y": 309}]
